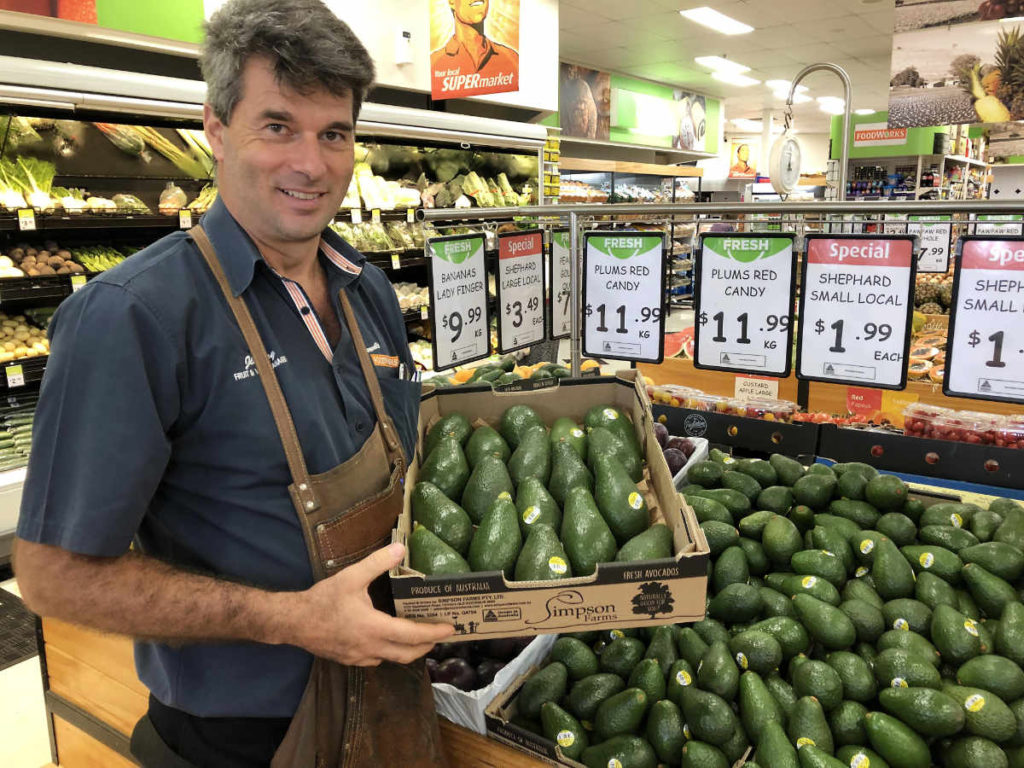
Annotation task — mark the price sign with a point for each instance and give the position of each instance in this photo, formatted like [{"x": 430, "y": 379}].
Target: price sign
[
  {"x": 623, "y": 294},
  {"x": 185, "y": 219},
  {"x": 375, "y": 216},
  {"x": 935, "y": 242},
  {"x": 396, "y": 261},
  {"x": 458, "y": 294},
  {"x": 357, "y": 216},
  {"x": 998, "y": 224},
  {"x": 744, "y": 303},
  {"x": 15, "y": 376},
  {"x": 856, "y": 309},
  {"x": 410, "y": 215},
  {"x": 985, "y": 358},
  {"x": 520, "y": 289},
  {"x": 560, "y": 269},
  {"x": 26, "y": 219},
  {"x": 77, "y": 282}
]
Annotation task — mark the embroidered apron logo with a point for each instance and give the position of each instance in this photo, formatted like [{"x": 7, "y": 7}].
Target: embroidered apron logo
[{"x": 249, "y": 365}]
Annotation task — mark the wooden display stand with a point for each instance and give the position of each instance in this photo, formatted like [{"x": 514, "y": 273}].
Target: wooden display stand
[
  {"x": 93, "y": 700},
  {"x": 834, "y": 398}
]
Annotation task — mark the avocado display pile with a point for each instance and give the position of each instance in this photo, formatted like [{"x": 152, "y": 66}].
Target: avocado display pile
[
  {"x": 847, "y": 625},
  {"x": 532, "y": 502}
]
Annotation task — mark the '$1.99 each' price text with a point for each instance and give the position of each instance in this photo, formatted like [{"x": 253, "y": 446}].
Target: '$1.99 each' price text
[
  {"x": 872, "y": 332},
  {"x": 454, "y": 324},
  {"x": 997, "y": 340},
  {"x": 647, "y": 315}
]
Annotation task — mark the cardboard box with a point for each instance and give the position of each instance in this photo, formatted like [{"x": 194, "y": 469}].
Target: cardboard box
[
  {"x": 619, "y": 594},
  {"x": 501, "y": 728}
]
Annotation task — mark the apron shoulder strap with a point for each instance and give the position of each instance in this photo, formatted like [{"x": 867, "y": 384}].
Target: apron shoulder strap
[
  {"x": 387, "y": 426},
  {"x": 268, "y": 378}
]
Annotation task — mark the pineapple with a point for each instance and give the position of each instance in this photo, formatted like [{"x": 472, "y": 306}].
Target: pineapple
[
  {"x": 946, "y": 294},
  {"x": 931, "y": 308},
  {"x": 1010, "y": 64}
]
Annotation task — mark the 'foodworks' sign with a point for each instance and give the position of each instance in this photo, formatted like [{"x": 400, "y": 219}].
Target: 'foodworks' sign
[{"x": 878, "y": 135}]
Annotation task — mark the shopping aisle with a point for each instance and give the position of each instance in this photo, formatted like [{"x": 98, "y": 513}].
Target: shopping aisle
[{"x": 24, "y": 742}]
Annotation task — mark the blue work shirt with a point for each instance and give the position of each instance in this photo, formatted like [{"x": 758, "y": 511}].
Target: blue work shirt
[{"x": 153, "y": 426}]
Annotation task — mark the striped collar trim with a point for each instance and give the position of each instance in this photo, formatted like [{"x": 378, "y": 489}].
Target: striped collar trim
[{"x": 337, "y": 259}]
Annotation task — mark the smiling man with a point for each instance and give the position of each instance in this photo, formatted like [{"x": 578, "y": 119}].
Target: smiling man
[
  {"x": 240, "y": 434},
  {"x": 469, "y": 50}
]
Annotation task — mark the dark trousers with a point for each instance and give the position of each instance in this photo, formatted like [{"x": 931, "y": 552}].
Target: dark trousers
[{"x": 169, "y": 738}]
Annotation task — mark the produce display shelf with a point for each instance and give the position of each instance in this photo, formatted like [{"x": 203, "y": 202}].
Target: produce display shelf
[
  {"x": 34, "y": 290},
  {"x": 678, "y": 370},
  {"x": 385, "y": 259},
  {"x": 9, "y": 221},
  {"x": 837, "y": 398},
  {"x": 985, "y": 465},
  {"x": 32, "y": 369},
  {"x": 739, "y": 431}
]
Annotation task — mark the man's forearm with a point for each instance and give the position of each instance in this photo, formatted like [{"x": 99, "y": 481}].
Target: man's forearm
[{"x": 143, "y": 597}]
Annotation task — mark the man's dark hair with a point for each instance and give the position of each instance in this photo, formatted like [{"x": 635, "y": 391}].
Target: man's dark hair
[{"x": 308, "y": 45}]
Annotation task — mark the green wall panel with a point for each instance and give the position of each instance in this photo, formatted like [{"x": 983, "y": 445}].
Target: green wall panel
[
  {"x": 180, "y": 20},
  {"x": 920, "y": 141}
]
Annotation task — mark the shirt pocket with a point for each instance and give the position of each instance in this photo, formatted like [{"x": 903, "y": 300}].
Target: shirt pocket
[{"x": 402, "y": 400}]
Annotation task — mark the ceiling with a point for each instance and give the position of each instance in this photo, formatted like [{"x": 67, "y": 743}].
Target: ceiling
[{"x": 649, "y": 39}]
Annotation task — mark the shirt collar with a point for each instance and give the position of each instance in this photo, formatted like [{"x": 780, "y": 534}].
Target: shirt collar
[{"x": 239, "y": 255}]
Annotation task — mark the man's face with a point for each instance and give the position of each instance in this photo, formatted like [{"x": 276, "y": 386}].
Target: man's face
[
  {"x": 743, "y": 153},
  {"x": 469, "y": 11},
  {"x": 285, "y": 160}
]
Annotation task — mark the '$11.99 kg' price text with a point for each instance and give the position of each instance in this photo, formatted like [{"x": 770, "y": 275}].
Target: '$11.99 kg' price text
[
  {"x": 647, "y": 315},
  {"x": 771, "y": 323},
  {"x": 454, "y": 324}
]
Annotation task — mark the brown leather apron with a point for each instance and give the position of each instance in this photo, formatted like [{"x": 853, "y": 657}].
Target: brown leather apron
[{"x": 349, "y": 717}]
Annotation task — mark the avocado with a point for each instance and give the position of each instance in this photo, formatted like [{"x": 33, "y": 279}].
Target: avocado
[
  {"x": 441, "y": 516},
  {"x": 895, "y": 742},
  {"x": 454, "y": 425},
  {"x": 858, "y": 681},
  {"x": 497, "y": 541},
  {"x": 1010, "y": 635},
  {"x": 535, "y": 505},
  {"x": 485, "y": 441},
  {"x": 832, "y": 540},
  {"x": 662, "y": 646},
  {"x": 775, "y": 498},
  {"x": 775, "y": 750},
  {"x": 848, "y": 528},
  {"x": 993, "y": 673},
  {"x": 897, "y": 668},
  {"x": 431, "y": 556},
  {"x": 1011, "y": 531},
  {"x": 790, "y": 633},
  {"x": 515, "y": 421},
  {"x": 757, "y": 706},
  {"x": 929, "y": 712},
  {"x": 807, "y": 725},
  {"x": 708, "y": 509},
  {"x": 653, "y": 544},
  {"x": 867, "y": 620},
  {"x": 792, "y": 584},
  {"x": 565, "y": 430},
  {"x": 614, "y": 420},
  {"x": 781, "y": 540},
  {"x": 953, "y": 539},
  {"x": 586, "y": 695},
  {"x": 692, "y": 647},
  {"x": 577, "y": 657},
  {"x": 909, "y": 641},
  {"x": 621, "y": 655},
  {"x": 664, "y": 731},
  {"x": 987, "y": 714},
  {"x": 905, "y": 613},
  {"x": 818, "y": 679},
  {"x": 698, "y": 754},
  {"x": 631, "y": 751},
  {"x": 887, "y": 493},
  {"x": 984, "y": 524},
  {"x": 680, "y": 676},
  {"x": 620, "y": 714},
  {"x": 745, "y": 484},
  {"x": 547, "y": 684},
  {"x": 752, "y": 526},
  {"x": 823, "y": 470},
  {"x": 532, "y": 457},
  {"x": 756, "y": 650},
  {"x": 730, "y": 568},
  {"x": 932, "y": 591},
  {"x": 787, "y": 470},
  {"x": 757, "y": 558},
  {"x": 711, "y": 630},
  {"x": 563, "y": 729},
  {"x": 603, "y": 443},
  {"x": 621, "y": 505},
  {"x": 825, "y": 623},
  {"x": 447, "y": 468},
  {"x": 717, "y": 671},
  {"x": 706, "y": 473},
  {"x": 859, "y": 756},
  {"x": 542, "y": 557},
  {"x": 488, "y": 481},
  {"x": 991, "y": 593},
  {"x": 812, "y": 757},
  {"x": 737, "y": 504},
  {"x": 936, "y": 560},
  {"x": 821, "y": 563},
  {"x": 647, "y": 677},
  {"x": 814, "y": 490},
  {"x": 781, "y": 691},
  {"x": 851, "y": 485},
  {"x": 999, "y": 559},
  {"x": 567, "y": 472},
  {"x": 898, "y": 527},
  {"x": 736, "y": 603},
  {"x": 859, "y": 512},
  {"x": 586, "y": 536},
  {"x": 709, "y": 716},
  {"x": 891, "y": 572},
  {"x": 955, "y": 636},
  {"x": 859, "y": 589},
  {"x": 972, "y": 751}
]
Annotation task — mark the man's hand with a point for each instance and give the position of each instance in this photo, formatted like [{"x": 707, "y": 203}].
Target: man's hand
[{"x": 341, "y": 623}]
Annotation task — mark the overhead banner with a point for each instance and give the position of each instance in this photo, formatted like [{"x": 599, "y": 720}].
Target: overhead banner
[
  {"x": 946, "y": 59},
  {"x": 474, "y": 47}
]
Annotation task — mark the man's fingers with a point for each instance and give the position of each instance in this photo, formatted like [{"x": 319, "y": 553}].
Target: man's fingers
[
  {"x": 406, "y": 632},
  {"x": 403, "y": 654},
  {"x": 376, "y": 564}
]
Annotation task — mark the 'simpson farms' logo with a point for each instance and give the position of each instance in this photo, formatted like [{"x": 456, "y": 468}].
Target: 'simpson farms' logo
[{"x": 571, "y": 606}]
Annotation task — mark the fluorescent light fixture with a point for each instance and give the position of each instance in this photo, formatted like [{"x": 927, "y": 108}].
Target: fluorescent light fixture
[
  {"x": 718, "y": 64},
  {"x": 832, "y": 108},
  {"x": 831, "y": 100},
  {"x": 864, "y": 111},
  {"x": 741, "y": 81},
  {"x": 719, "y": 22},
  {"x": 783, "y": 86}
]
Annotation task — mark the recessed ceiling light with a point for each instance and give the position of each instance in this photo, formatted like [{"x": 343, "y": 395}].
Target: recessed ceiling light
[
  {"x": 718, "y": 64},
  {"x": 863, "y": 111},
  {"x": 831, "y": 100},
  {"x": 732, "y": 78},
  {"x": 719, "y": 22},
  {"x": 784, "y": 85},
  {"x": 798, "y": 98},
  {"x": 746, "y": 124},
  {"x": 832, "y": 108}
]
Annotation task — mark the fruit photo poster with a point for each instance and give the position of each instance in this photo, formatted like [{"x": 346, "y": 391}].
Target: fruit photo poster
[
  {"x": 584, "y": 102},
  {"x": 474, "y": 47},
  {"x": 957, "y": 61}
]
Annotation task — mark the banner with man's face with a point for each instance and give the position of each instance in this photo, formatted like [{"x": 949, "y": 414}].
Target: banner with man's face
[{"x": 474, "y": 47}]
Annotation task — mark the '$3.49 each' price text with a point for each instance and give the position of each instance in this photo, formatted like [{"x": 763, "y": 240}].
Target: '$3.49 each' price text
[
  {"x": 453, "y": 322},
  {"x": 647, "y": 315},
  {"x": 515, "y": 309}
]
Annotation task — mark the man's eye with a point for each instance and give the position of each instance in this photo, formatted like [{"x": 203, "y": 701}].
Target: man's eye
[
  {"x": 276, "y": 128},
  {"x": 334, "y": 137}
]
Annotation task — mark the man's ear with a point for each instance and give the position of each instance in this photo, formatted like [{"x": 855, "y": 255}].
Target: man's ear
[{"x": 214, "y": 132}]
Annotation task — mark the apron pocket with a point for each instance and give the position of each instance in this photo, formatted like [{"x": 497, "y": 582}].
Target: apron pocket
[{"x": 402, "y": 400}]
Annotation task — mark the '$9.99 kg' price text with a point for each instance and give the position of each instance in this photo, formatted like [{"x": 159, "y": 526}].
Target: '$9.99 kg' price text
[
  {"x": 647, "y": 315},
  {"x": 453, "y": 322}
]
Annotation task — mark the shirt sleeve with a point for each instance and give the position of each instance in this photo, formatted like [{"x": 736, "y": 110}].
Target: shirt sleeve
[{"x": 100, "y": 444}]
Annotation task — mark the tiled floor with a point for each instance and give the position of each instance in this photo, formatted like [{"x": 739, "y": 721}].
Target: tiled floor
[{"x": 24, "y": 742}]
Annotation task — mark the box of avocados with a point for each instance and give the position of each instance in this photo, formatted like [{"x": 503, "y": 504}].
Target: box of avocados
[{"x": 545, "y": 580}]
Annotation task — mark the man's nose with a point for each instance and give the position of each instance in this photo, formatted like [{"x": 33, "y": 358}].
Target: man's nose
[{"x": 306, "y": 156}]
